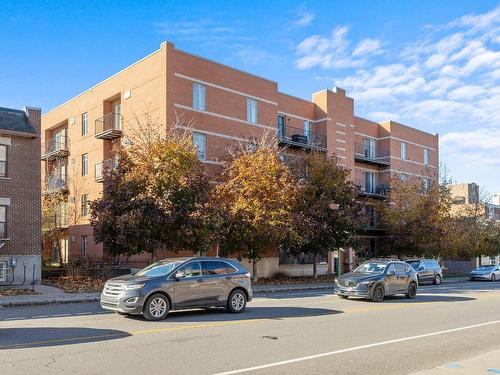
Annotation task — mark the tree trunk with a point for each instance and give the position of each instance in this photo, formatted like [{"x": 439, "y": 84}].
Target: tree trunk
[
  {"x": 315, "y": 266},
  {"x": 254, "y": 271},
  {"x": 59, "y": 252}
]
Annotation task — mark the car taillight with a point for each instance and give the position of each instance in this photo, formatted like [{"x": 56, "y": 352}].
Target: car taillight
[{"x": 247, "y": 274}]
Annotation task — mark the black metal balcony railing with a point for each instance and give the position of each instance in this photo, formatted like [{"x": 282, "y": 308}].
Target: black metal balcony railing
[
  {"x": 372, "y": 189},
  {"x": 54, "y": 148},
  {"x": 303, "y": 138},
  {"x": 56, "y": 182},
  {"x": 370, "y": 154},
  {"x": 109, "y": 126},
  {"x": 101, "y": 168}
]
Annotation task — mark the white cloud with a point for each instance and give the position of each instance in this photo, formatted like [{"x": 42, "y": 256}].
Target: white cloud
[
  {"x": 466, "y": 92},
  {"x": 366, "y": 46},
  {"x": 305, "y": 18}
]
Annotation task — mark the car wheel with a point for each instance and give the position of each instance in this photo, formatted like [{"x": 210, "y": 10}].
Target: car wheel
[
  {"x": 378, "y": 294},
  {"x": 437, "y": 280},
  {"x": 237, "y": 301},
  {"x": 493, "y": 277},
  {"x": 156, "y": 307},
  {"x": 343, "y": 297},
  {"x": 412, "y": 291}
]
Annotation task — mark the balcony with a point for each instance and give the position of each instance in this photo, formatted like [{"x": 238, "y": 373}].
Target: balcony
[
  {"x": 370, "y": 155},
  {"x": 300, "y": 138},
  {"x": 380, "y": 191},
  {"x": 62, "y": 217},
  {"x": 109, "y": 126},
  {"x": 100, "y": 169},
  {"x": 55, "y": 148},
  {"x": 56, "y": 182}
]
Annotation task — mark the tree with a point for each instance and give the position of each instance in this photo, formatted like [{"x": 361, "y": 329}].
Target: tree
[
  {"x": 54, "y": 220},
  {"x": 326, "y": 214},
  {"x": 157, "y": 196},
  {"x": 254, "y": 199}
]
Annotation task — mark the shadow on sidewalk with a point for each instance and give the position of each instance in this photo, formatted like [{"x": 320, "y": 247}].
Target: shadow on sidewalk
[{"x": 20, "y": 338}]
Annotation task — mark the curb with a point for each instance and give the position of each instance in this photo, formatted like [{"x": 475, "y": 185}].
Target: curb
[
  {"x": 51, "y": 301},
  {"x": 293, "y": 289}
]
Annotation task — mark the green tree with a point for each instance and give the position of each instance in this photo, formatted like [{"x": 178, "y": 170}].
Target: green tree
[
  {"x": 254, "y": 199},
  {"x": 326, "y": 214}
]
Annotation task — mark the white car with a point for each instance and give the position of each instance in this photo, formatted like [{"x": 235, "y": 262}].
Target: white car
[{"x": 490, "y": 273}]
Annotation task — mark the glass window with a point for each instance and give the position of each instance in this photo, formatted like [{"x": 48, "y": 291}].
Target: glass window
[
  {"x": 427, "y": 184},
  {"x": 403, "y": 177},
  {"x": 3, "y": 271},
  {"x": 83, "y": 245},
  {"x": 192, "y": 269},
  {"x": 370, "y": 182},
  {"x": 252, "y": 110},
  {"x": 160, "y": 268},
  {"x": 281, "y": 126},
  {"x": 216, "y": 268},
  {"x": 391, "y": 268},
  {"x": 84, "y": 205},
  {"x": 403, "y": 150},
  {"x": 371, "y": 267},
  {"x": 3, "y": 161},
  {"x": 200, "y": 142},
  {"x": 307, "y": 130},
  {"x": 369, "y": 146},
  {"x": 426, "y": 156},
  {"x": 85, "y": 164},
  {"x": 199, "y": 92},
  {"x": 85, "y": 123},
  {"x": 3, "y": 221},
  {"x": 400, "y": 268}
]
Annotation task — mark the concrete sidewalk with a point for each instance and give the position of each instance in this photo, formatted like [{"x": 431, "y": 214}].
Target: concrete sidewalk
[
  {"x": 49, "y": 294},
  {"x": 488, "y": 363}
]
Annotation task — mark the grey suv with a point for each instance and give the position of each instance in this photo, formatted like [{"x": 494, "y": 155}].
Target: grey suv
[
  {"x": 428, "y": 270},
  {"x": 181, "y": 283},
  {"x": 378, "y": 278}
]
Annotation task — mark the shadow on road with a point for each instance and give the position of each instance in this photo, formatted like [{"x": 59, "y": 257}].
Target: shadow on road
[
  {"x": 37, "y": 337},
  {"x": 421, "y": 298},
  {"x": 257, "y": 312}
]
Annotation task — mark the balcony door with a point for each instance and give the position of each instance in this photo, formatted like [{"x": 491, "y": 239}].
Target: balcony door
[
  {"x": 281, "y": 126},
  {"x": 370, "y": 182},
  {"x": 307, "y": 130},
  {"x": 117, "y": 117},
  {"x": 370, "y": 148}
]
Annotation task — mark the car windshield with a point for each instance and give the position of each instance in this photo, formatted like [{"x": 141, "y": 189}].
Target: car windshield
[
  {"x": 160, "y": 268},
  {"x": 371, "y": 267},
  {"x": 414, "y": 265},
  {"x": 485, "y": 268}
]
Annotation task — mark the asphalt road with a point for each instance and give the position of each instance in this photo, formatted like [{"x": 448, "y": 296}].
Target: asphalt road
[{"x": 289, "y": 333}]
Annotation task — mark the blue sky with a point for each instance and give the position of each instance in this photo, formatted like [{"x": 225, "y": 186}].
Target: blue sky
[{"x": 434, "y": 65}]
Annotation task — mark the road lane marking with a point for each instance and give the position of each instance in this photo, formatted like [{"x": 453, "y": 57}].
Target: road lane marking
[{"x": 355, "y": 348}]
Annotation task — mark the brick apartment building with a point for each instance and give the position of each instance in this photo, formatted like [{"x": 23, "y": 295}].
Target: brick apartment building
[
  {"x": 20, "y": 218},
  {"x": 225, "y": 106}
]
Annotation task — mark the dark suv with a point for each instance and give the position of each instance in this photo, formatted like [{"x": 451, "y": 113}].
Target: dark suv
[
  {"x": 428, "y": 270},
  {"x": 378, "y": 278},
  {"x": 181, "y": 283}
]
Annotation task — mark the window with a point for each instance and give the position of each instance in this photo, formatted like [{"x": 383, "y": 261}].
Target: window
[
  {"x": 391, "y": 268},
  {"x": 281, "y": 126},
  {"x": 192, "y": 269},
  {"x": 369, "y": 182},
  {"x": 252, "y": 111},
  {"x": 85, "y": 123},
  {"x": 3, "y": 221},
  {"x": 403, "y": 150},
  {"x": 403, "y": 177},
  {"x": 199, "y": 92},
  {"x": 427, "y": 184},
  {"x": 400, "y": 268},
  {"x": 426, "y": 156},
  {"x": 83, "y": 245},
  {"x": 3, "y": 161},
  {"x": 200, "y": 143},
  {"x": 85, "y": 164},
  {"x": 307, "y": 130},
  {"x": 117, "y": 117},
  {"x": 3, "y": 271},
  {"x": 216, "y": 268},
  {"x": 369, "y": 148},
  {"x": 84, "y": 205}
]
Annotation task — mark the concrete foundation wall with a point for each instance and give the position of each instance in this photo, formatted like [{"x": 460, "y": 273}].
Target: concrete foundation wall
[
  {"x": 301, "y": 269},
  {"x": 18, "y": 272}
]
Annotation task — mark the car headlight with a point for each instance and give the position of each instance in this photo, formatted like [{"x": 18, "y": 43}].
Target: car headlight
[{"x": 133, "y": 286}]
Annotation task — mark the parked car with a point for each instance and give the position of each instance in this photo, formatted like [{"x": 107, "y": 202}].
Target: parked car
[
  {"x": 491, "y": 273},
  {"x": 378, "y": 278},
  {"x": 428, "y": 270},
  {"x": 181, "y": 283}
]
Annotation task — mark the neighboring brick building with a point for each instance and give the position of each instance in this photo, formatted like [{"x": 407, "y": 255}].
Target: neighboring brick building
[
  {"x": 226, "y": 106},
  {"x": 20, "y": 218}
]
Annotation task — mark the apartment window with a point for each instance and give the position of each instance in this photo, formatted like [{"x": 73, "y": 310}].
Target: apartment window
[
  {"x": 369, "y": 146},
  {"x": 370, "y": 182},
  {"x": 427, "y": 184},
  {"x": 403, "y": 177},
  {"x": 84, "y": 205},
  {"x": 199, "y": 96},
  {"x": 3, "y": 161},
  {"x": 403, "y": 150},
  {"x": 281, "y": 126},
  {"x": 85, "y": 164},
  {"x": 3, "y": 221},
  {"x": 252, "y": 110},
  {"x": 307, "y": 130},
  {"x": 200, "y": 142},
  {"x": 85, "y": 123},
  {"x": 83, "y": 245},
  {"x": 426, "y": 156},
  {"x": 3, "y": 271}
]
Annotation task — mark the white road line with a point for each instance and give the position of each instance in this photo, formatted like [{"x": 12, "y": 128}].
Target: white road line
[
  {"x": 355, "y": 348},
  {"x": 39, "y": 316},
  {"x": 60, "y": 315}
]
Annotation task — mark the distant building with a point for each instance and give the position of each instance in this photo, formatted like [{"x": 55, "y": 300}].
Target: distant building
[{"x": 20, "y": 216}]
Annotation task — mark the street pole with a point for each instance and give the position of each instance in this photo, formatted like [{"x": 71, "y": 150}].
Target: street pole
[{"x": 339, "y": 264}]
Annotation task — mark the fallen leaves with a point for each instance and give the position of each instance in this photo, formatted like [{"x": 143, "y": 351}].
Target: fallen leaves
[{"x": 77, "y": 284}]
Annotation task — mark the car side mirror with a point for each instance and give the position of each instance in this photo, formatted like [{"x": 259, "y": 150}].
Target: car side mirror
[
  {"x": 391, "y": 273},
  {"x": 421, "y": 268},
  {"x": 179, "y": 275}
]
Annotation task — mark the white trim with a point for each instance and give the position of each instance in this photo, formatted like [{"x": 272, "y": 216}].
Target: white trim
[
  {"x": 5, "y": 141},
  {"x": 107, "y": 79},
  {"x": 213, "y": 133},
  {"x": 369, "y": 170},
  {"x": 341, "y": 140},
  {"x": 341, "y": 149},
  {"x": 224, "y": 88},
  {"x": 339, "y": 132},
  {"x": 341, "y": 157},
  {"x": 404, "y": 172},
  {"x": 409, "y": 161},
  {"x": 212, "y": 162},
  {"x": 340, "y": 124},
  {"x": 352, "y": 126},
  {"x": 323, "y": 119},
  {"x": 4, "y": 201},
  {"x": 299, "y": 117},
  {"x": 224, "y": 117},
  {"x": 396, "y": 138}
]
